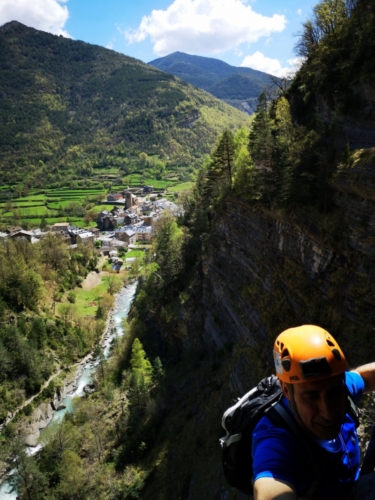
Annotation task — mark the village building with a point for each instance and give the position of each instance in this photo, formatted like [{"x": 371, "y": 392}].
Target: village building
[
  {"x": 106, "y": 221},
  {"x": 112, "y": 244},
  {"x": 151, "y": 219},
  {"x": 130, "y": 199},
  {"x": 132, "y": 234},
  {"x": 105, "y": 240},
  {"x": 127, "y": 235},
  {"x": 22, "y": 234},
  {"x": 118, "y": 215},
  {"x": 131, "y": 219},
  {"x": 145, "y": 234},
  {"x": 135, "y": 209},
  {"x": 116, "y": 243},
  {"x": 115, "y": 197},
  {"x": 81, "y": 236},
  {"x": 60, "y": 227},
  {"x": 148, "y": 189},
  {"x": 13, "y": 229},
  {"x": 147, "y": 206},
  {"x": 165, "y": 204}
]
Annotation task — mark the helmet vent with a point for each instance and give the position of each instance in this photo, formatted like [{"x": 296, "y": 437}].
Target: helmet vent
[
  {"x": 285, "y": 353},
  {"x": 330, "y": 343},
  {"x": 337, "y": 354},
  {"x": 286, "y": 364}
]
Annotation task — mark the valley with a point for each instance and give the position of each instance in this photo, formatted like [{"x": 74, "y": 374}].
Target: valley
[{"x": 256, "y": 224}]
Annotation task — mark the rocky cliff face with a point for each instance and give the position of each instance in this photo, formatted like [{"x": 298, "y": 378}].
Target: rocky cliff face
[{"x": 261, "y": 272}]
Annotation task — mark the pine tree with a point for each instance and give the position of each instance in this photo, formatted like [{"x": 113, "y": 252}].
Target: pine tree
[
  {"x": 138, "y": 395},
  {"x": 245, "y": 182},
  {"x": 261, "y": 147},
  {"x": 168, "y": 251},
  {"x": 158, "y": 372},
  {"x": 260, "y": 139},
  {"x": 141, "y": 366},
  {"x": 219, "y": 172},
  {"x": 283, "y": 165}
]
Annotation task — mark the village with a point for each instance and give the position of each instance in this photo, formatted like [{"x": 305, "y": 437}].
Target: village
[{"x": 131, "y": 223}]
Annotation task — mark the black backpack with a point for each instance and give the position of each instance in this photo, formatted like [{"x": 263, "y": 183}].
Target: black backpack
[{"x": 239, "y": 422}]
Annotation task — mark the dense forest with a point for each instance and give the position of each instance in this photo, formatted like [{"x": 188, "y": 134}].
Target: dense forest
[
  {"x": 74, "y": 107},
  {"x": 303, "y": 171}
]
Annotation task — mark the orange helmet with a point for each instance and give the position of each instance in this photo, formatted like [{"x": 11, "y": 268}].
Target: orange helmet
[{"x": 307, "y": 353}]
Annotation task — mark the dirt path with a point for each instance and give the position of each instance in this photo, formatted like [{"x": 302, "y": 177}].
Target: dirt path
[
  {"x": 25, "y": 403},
  {"x": 92, "y": 280}
]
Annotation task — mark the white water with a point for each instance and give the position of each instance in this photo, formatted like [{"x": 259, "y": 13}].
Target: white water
[{"x": 122, "y": 305}]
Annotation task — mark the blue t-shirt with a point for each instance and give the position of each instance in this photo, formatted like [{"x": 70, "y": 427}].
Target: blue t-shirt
[{"x": 278, "y": 454}]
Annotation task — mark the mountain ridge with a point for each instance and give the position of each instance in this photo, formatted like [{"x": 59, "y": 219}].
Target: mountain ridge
[{"x": 216, "y": 77}]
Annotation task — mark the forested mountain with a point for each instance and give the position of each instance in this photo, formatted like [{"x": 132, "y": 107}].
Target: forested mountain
[
  {"x": 239, "y": 87},
  {"x": 67, "y": 107}
]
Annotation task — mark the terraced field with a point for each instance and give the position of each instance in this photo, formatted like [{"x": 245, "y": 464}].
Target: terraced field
[
  {"x": 54, "y": 205},
  {"x": 59, "y": 205}
]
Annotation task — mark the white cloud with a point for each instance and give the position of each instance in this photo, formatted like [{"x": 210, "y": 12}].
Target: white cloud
[
  {"x": 109, "y": 45},
  {"x": 45, "y": 15},
  {"x": 296, "y": 63},
  {"x": 262, "y": 63},
  {"x": 299, "y": 11},
  {"x": 204, "y": 26},
  {"x": 272, "y": 66}
]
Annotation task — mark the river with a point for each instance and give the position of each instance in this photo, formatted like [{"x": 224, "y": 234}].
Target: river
[{"x": 121, "y": 308}]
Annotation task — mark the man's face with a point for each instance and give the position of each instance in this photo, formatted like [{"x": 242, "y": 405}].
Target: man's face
[{"x": 320, "y": 405}]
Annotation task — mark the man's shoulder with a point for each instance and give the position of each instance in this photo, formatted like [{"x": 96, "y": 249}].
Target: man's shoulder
[
  {"x": 280, "y": 435},
  {"x": 355, "y": 385},
  {"x": 277, "y": 453}
]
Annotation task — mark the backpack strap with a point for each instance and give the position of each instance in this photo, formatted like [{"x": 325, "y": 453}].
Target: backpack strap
[
  {"x": 352, "y": 409},
  {"x": 281, "y": 418}
]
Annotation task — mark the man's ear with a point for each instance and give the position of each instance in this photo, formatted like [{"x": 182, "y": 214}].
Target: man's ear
[{"x": 286, "y": 390}]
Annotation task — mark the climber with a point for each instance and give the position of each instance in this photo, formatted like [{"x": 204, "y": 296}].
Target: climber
[{"x": 317, "y": 391}]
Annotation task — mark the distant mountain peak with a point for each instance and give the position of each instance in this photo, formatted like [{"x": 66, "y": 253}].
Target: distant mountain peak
[
  {"x": 12, "y": 25},
  {"x": 238, "y": 86}
]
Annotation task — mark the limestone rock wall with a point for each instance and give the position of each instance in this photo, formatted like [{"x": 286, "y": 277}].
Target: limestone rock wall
[{"x": 263, "y": 272}]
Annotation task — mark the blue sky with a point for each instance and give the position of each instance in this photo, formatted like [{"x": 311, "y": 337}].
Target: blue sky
[{"x": 257, "y": 33}]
